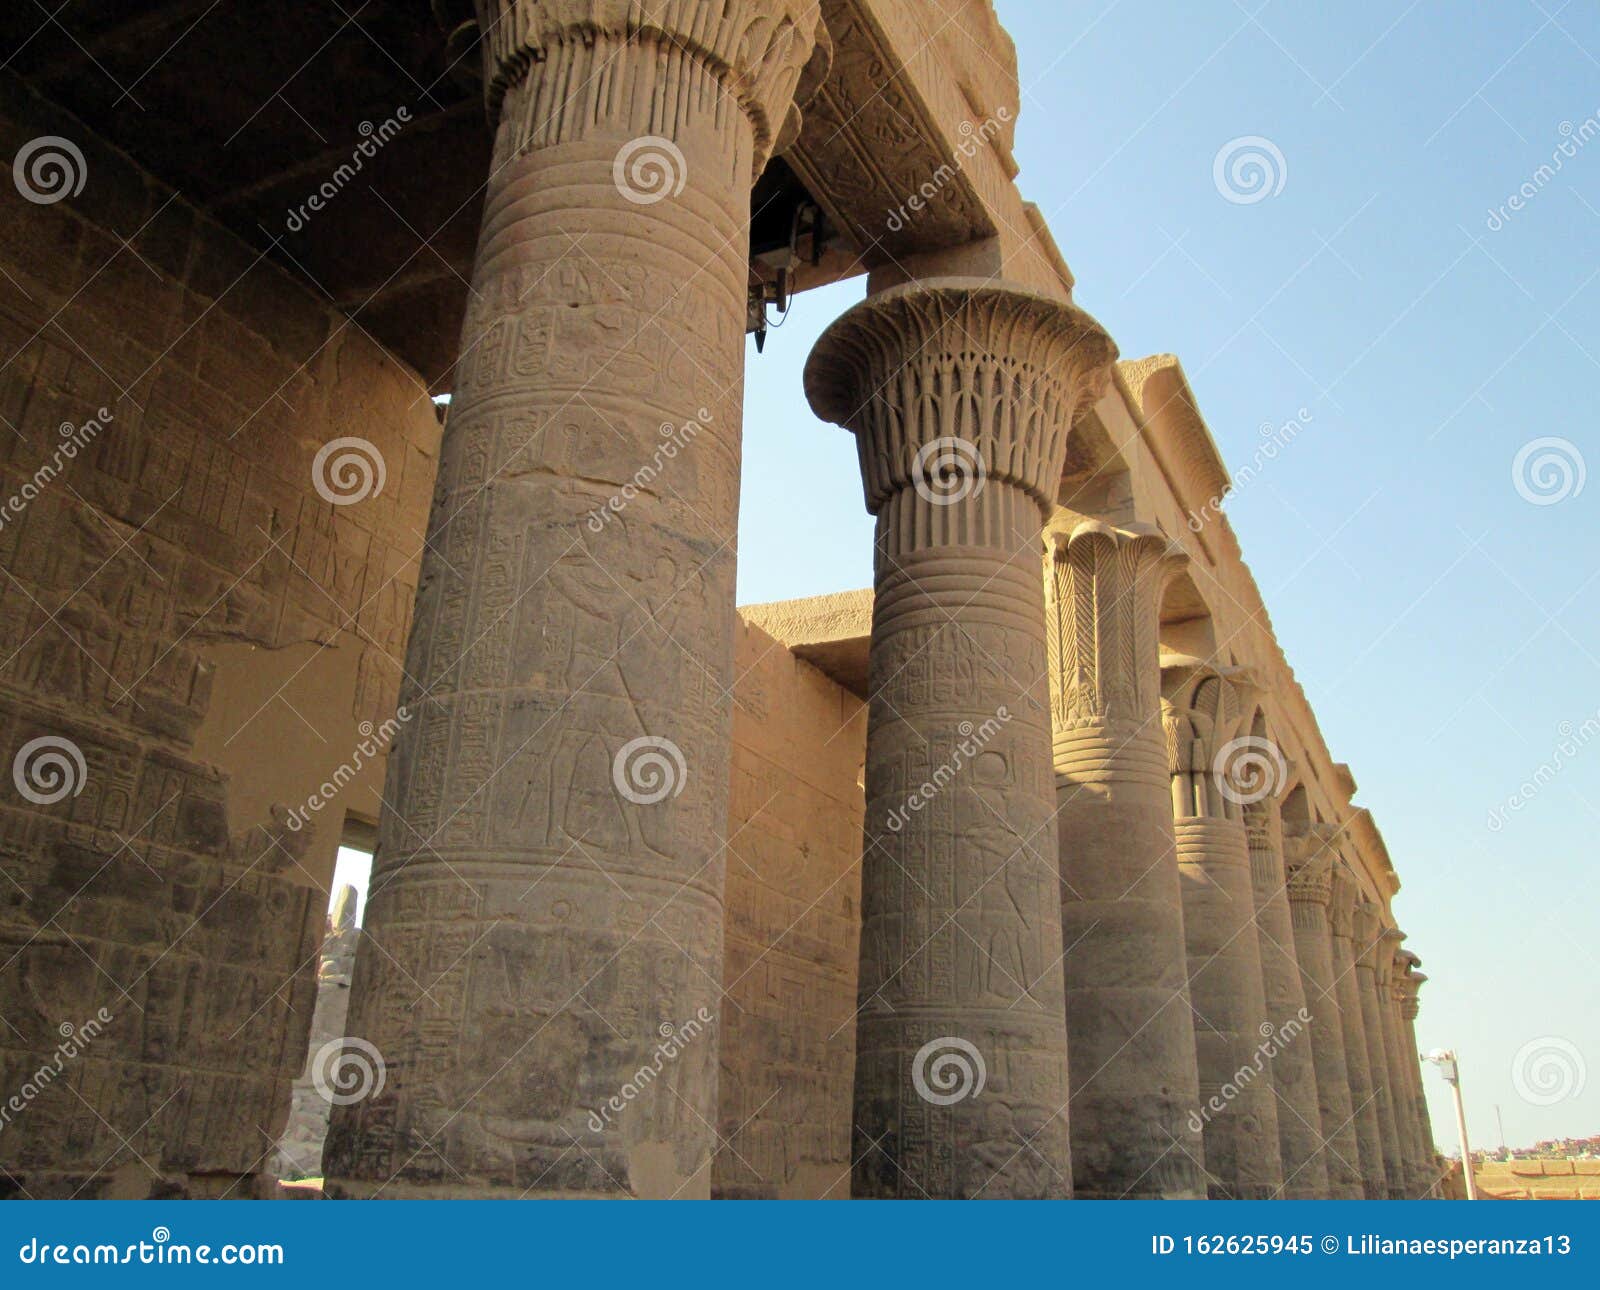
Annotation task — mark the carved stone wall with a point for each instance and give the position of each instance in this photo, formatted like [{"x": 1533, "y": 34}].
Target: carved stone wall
[
  {"x": 793, "y": 929},
  {"x": 175, "y": 562}
]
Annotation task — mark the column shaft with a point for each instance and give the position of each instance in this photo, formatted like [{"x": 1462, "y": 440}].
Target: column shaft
[
  {"x": 1294, "y": 1075},
  {"x": 1239, "y": 1114},
  {"x": 1309, "y": 889},
  {"x": 1129, "y": 1022},
  {"x": 1357, "y": 1060},
  {"x": 546, "y": 908},
  {"x": 960, "y": 395},
  {"x": 1370, "y": 946}
]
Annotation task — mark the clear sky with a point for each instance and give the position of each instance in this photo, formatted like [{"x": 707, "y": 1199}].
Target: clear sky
[{"x": 1442, "y": 623}]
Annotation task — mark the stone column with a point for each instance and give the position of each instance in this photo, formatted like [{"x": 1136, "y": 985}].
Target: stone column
[
  {"x": 1411, "y": 983},
  {"x": 1341, "y": 916},
  {"x": 1300, "y": 1134},
  {"x": 960, "y": 394},
  {"x": 1371, "y": 949},
  {"x": 1129, "y": 1022},
  {"x": 1308, "y": 860},
  {"x": 546, "y": 911},
  {"x": 1202, "y": 708},
  {"x": 1401, "y": 1064}
]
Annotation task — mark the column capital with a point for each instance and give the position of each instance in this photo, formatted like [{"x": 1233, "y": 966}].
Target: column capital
[
  {"x": 1103, "y": 589},
  {"x": 1366, "y": 930},
  {"x": 1203, "y": 710},
  {"x": 1308, "y": 861},
  {"x": 1343, "y": 903},
  {"x": 756, "y": 50},
  {"x": 1411, "y": 982},
  {"x": 949, "y": 382}
]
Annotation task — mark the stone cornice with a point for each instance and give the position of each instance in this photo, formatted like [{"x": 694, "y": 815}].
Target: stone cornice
[{"x": 996, "y": 368}]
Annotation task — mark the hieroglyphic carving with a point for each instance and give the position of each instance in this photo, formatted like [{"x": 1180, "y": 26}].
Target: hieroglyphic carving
[
  {"x": 960, "y": 950},
  {"x": 1129, "y": 1024},
  {"x": 1342, "y": 905},
  {"x": 1203, "y": 708},
  {"x": 549, "y": 646}
]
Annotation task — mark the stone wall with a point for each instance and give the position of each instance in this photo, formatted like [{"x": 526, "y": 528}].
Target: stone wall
[
  {"x": 179, "y": 605},
  {"x": 793, "y": 925},
  {"x": 299, "y": 1153}
]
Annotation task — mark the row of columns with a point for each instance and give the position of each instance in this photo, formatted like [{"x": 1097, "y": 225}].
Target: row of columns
[{"x": 1053, "y": 864}]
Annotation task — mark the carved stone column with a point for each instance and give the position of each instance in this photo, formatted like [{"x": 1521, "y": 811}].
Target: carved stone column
[
  {"x": 960, "y": 394},
  {"x": 547, "y": 897},
  {"x": 1372, "y": 975},
  {"x": 1202, "y": 708},
  {"x": 1129, "y": 1022},
  {"x": 1401, "y": 1063},
  {"x": 1308, "y": 860},
  {"x": 1341, "y": 917},
  {"x": 1294, "y": 1075},
  {"x": 1411, "y": 982}
]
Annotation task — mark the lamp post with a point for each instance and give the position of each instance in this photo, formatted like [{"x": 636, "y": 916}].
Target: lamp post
[{"x": 1445, "y": 1060}]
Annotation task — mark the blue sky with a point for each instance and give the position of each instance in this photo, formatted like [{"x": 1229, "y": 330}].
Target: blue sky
[{"x": 1442, "y": 624}]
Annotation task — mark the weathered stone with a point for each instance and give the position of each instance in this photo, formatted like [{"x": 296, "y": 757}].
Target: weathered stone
[{"x": 961, "y": 395}]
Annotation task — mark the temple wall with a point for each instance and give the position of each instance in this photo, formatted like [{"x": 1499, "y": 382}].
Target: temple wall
[
  {"x": 201, "y": 637},
  {"x": 792, "y": 931}
]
